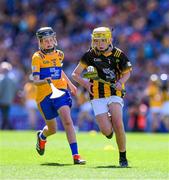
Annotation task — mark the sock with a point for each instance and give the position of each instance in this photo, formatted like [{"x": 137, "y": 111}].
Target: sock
[
  {"x": 42, "y": 136},
  {"x": 122, "y": 155},
  {"x": 74, "y": 148}
]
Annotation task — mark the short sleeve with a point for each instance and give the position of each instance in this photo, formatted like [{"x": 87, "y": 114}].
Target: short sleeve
[
  {"x": 35, "y": 65},
  {"x": 61, "y": 55},
  {"x": 83, "y": 65},
  {"x": 85, "y": 60}
]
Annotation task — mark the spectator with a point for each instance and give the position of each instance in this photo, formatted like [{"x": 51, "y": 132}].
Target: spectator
[
  {"x": 7, "y": 93},
  {"x": 165, "y": 105},
  {"x": 85, "y": 111},
  {"x": 137, "y": 117},
  {"x": 140, "y": 30},
  {"x": 30, "y": 103},
  {"x": 153, "y": 91}
]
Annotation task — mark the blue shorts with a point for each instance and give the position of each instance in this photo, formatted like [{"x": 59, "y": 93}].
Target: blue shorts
[{"x": 49, "y": 107}]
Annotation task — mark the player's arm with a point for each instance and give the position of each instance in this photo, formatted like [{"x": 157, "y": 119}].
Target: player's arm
[
  {"x": 37, "y": 81},
  {"x": 126, "y": 69},
  {"x": 76, "y": 75},
  {"x": 122, "y": 80},
  {"x": 124, "y": 77},
  {"x": 71, "y": 86},
  {"x": 36, "y": 71}
]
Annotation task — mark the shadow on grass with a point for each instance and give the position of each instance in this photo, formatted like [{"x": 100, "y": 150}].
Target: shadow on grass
[
  {"x": 111, "y": 167},
  {"x": 55, "y": 164}
]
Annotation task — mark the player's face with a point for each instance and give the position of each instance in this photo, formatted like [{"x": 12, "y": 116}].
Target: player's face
[
  {"x": 48, "y": 42},
  {"x": 100, "y": 44}
]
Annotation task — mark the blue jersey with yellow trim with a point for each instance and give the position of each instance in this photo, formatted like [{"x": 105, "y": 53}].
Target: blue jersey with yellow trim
[{"x": 48, "y": 65}]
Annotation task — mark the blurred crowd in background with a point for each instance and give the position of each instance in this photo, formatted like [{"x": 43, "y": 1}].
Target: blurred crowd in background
[{"x": 140, "y": 29}]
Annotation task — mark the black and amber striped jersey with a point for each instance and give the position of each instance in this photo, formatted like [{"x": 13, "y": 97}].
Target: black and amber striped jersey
[{"x": 109, "y": 68}]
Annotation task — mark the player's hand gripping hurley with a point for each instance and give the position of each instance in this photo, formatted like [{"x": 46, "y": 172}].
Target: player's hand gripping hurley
[
  {"x": 92, "y": 74},
  {"x": 56, "y": 93}
]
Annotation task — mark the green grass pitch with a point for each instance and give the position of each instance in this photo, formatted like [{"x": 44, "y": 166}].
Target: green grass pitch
[{"x": 148, "y": 156}]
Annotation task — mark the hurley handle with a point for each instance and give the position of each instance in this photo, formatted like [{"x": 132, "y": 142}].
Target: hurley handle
[{"x": 49, "y": 81}]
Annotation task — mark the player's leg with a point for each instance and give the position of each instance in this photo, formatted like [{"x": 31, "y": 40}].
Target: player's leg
[
  {"x": 100, "y": 109},
  {"x": 42, "y": 135},
  {"x": 116, "y": 117},
  {"x": 50, "y": 127},
  {"x": 105, "y": 125},
  {"x": 49, "y": 114},
  {"x": 115, "y": 110},
  {"x": 65, "y": 115}
]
